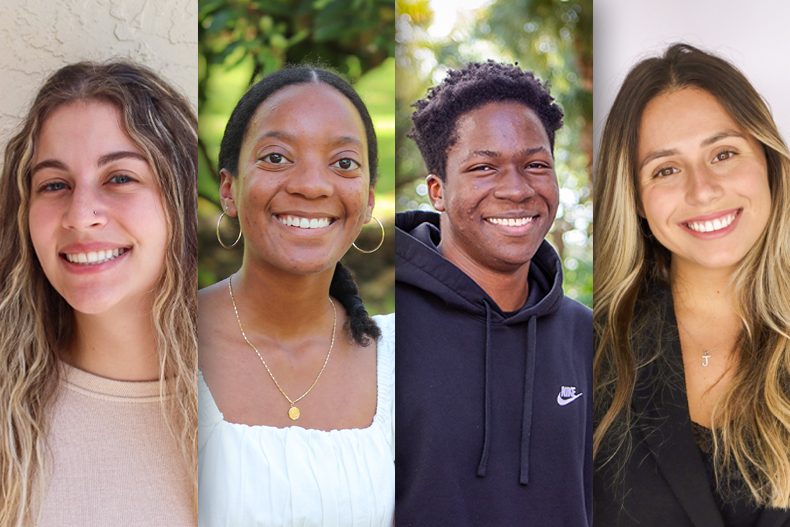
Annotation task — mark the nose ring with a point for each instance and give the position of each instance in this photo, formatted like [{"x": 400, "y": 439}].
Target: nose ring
[{"x": 94, "y": 213}]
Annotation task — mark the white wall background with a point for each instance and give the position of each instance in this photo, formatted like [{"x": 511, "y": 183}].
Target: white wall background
[
  {"x": 753, "y": 35},
  {"x": 38, "y": 36}
]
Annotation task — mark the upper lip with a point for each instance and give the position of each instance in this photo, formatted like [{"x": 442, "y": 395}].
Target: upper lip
[
  {"x": 512, "y": 215},
  {"x": 86, "y": 247},
  {"x": 711, "y": 216},
  {"x": 308, "y": 215}
]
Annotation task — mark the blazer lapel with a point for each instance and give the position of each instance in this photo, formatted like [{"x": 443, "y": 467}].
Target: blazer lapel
[
  {"x": 663, "y": 407},
  {"x": 774, "y": 518}
]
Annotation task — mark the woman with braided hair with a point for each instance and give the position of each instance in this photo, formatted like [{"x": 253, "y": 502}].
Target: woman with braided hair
[{"x": 297, "y": 380}]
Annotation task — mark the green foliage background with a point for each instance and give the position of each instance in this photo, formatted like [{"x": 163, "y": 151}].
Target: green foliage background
[
  {"x": 553, "y": 38},
  {"x": 240, "y": 41}
]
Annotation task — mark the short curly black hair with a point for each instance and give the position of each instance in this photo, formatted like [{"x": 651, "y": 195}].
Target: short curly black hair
[{"x": 461, "y": 91}]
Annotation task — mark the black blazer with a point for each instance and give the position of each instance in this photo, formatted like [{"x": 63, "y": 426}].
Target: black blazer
[{"x": 663, "y": 482}]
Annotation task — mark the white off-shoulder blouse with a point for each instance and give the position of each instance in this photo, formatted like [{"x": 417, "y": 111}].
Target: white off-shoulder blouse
[{"x": 262, "y": 476}]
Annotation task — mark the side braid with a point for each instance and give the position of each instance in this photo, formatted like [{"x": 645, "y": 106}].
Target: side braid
[{"x": 344, "y": 289}]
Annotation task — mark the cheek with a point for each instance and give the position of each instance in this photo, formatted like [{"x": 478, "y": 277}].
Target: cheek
[
  {"x": 657, "y": 206},
  {"x": 41, "y": 224}
]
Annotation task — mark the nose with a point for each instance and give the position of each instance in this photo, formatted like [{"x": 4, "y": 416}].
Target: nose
[
  {"x": 84, "y": 210},
  {"x": 513, "y": 185},
  {"x": 312, "y": 180},
  {"x": 702, "y": 185}
]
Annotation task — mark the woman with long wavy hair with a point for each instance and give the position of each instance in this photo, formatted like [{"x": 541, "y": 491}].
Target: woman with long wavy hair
[
  {"x": 296, "y": 379},
  {"x": 98, "y": 396},
  {"x": 692, "y": 293}
]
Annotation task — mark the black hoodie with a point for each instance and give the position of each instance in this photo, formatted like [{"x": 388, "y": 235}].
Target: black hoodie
[{"x": 493, "y": 408}]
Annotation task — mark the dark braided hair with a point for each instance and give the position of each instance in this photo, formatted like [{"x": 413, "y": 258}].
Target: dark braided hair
[
  {"x": 343, "y": 287},
  {"x": 464, "y": 90},
  {"x": 360, "y": 325}
]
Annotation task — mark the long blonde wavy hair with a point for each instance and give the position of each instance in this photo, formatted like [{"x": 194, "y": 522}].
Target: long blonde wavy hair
[
  {"x": 752, "y": 417},
  {"x": 36, "y": 323}
]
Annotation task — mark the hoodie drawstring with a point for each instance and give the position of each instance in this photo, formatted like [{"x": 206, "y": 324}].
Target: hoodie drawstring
[
  {"x": 481, "y": 468},
  {"x": 529, "y": 386}
]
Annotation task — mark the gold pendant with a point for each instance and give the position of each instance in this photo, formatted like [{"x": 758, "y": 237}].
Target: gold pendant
[{"x": 294, "y": 413}]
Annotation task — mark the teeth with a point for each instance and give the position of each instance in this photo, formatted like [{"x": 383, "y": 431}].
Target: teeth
[
  {"x": 95, "y": 257},
  {"x": 304, "y": 223},
  {"x": 510, "y": 222},
  {"x": 715, "y": 225}
]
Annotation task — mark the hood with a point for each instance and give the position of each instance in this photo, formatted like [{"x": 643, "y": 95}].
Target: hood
[{"x": 419, "y": 263}]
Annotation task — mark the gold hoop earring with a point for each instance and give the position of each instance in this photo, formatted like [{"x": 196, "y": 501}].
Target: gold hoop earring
[
  {"x": 377, "y": 246},
  {"x": 219, "y": 238}
]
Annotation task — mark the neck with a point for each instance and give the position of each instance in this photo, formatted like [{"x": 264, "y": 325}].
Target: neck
[
  {"x": 282, "y": 305},
  {"x": 703, "y": 294},
  {"x": 509, "y": 289},
  {"x": 115, "y": 345}
]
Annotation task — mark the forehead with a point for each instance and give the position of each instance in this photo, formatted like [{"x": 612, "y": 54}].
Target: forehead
[
  {"x": 83, "y": 127},
  {"x": 309, "y": 111},
  {"x": 507, "y": 124},
  {"x": 682, "y": 117}
]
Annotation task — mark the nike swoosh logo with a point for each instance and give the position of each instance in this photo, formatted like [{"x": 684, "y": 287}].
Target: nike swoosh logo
[{"x": 563, "y": 402}]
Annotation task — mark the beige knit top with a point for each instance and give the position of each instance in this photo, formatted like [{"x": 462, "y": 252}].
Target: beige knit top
[{"x": 113, "y": 459}]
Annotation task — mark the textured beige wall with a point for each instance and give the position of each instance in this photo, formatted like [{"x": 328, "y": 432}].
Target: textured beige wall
[{"x": 38, "y": 36}]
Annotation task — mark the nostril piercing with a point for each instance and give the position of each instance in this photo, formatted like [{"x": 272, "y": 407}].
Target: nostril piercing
[{"x": 94, "y": 213}]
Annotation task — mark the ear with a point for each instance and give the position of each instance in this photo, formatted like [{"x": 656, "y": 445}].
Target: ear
[
  {"x": 371, "y": 204},
  {"x": 639, "y": 209},
  {"x": 227, "y": 191},
  {"x": 436, "y": 191}
]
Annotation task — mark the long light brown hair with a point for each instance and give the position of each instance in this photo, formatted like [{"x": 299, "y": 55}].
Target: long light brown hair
[
  {"x": 36, "y": 322},
  {"x": 752, "y": 418}
]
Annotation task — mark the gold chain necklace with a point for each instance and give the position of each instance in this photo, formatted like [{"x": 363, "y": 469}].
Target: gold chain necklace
[
  {"x": 706, "y": 352},
  {"x": 293, "y": 412}
]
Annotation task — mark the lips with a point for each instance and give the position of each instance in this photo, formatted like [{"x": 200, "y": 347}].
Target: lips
[
  {"x": 713, "y": 222},
  {"x": 94, "y": 257},
  {"x": 302, "y": 222},
  {"x": 511, "y": 222}
]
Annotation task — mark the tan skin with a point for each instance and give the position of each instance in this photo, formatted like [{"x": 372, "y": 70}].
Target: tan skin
[
  {"x": 314, "y": 165},
  {"x": 708, "y": 165},
  {"x": 500, "y": 168}
]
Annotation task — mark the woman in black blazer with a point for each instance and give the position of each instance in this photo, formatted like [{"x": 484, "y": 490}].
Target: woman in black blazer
[{"x": 692, "y": 291}]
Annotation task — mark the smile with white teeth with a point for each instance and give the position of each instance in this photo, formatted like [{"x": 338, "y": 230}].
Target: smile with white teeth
[
  {"x": 94, "y": 257},
  {"x": 711, "y": 226},
  {"x": 510, "y": 222},
  {"x": 304, "y": 223}
]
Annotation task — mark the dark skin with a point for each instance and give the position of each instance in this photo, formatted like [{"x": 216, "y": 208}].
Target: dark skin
[
  {"x": 314, "y": 167},
  {"x": 499, "y": 198}
]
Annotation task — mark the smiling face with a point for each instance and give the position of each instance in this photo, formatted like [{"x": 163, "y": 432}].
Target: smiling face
[
  {"x": 500, "y": 194},
  {"x": 96, "y": 218},
  {"x": 703, "y": 181},
  {"x": 303, "y": 189}
]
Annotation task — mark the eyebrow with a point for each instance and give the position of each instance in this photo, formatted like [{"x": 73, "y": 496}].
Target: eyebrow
[
  {"x": 489, "y": 153},
  {"x": 724, "y": 134},
  {"x": 103, "y": 160},
  {"x": 338, "y": 141},
  {"x": 115, "y": 156}
]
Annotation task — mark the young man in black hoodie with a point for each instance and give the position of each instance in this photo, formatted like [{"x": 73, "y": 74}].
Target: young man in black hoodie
[{"x": 493, "y": 362}]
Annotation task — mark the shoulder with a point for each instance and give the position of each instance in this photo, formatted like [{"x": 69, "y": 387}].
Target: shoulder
[
  {"x": 573, "y": 314},
  {"x": 386, "y": 324},
  {"x": 573, "y": 309}
]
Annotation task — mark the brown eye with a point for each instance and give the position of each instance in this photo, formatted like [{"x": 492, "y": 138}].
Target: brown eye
[
  {"x": 346, "y": 164},
  {"x": 667, "y": 171},
  {"x": 724, "y": 156},
  {"x": 275, "y": 159}
]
